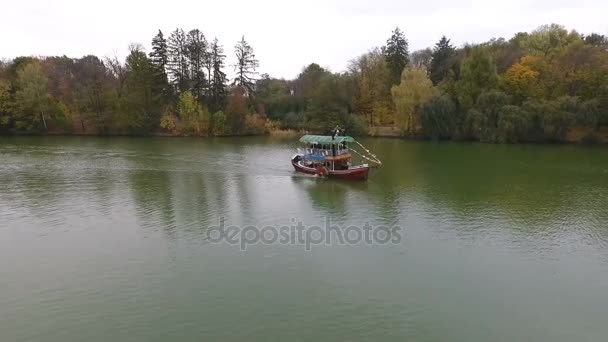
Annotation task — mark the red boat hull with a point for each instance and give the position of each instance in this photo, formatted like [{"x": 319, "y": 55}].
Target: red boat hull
[{"x": 358, "y": 173}]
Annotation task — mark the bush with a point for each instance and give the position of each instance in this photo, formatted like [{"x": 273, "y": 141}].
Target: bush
[
  {"x": 255, "y": 124},
  {"x": 293, "y": 120},
  {"x": 168, "y": 120},
  {"x": 218, "y": 124}
]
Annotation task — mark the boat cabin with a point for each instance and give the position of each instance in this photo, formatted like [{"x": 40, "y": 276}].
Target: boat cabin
[{"x": 329, "y": 151}]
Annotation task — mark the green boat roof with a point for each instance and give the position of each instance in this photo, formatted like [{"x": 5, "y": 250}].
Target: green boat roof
[{"x": 325, "y": 139}]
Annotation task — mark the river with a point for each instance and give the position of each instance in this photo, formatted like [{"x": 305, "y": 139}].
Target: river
[{"x": 114, "y": 239}]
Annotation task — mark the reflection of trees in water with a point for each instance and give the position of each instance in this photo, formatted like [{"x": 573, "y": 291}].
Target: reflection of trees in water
[
  {"x": 37, "y": 191},
  {"x": 532, "y": 188},
  {"x": 152, "y": 193},
  {"x": 529, "y": 188},
  {"x": 329, "y": 195}
]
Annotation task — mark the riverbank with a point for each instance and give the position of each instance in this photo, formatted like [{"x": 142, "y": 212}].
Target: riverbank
[{"x": 577, "y": 135}]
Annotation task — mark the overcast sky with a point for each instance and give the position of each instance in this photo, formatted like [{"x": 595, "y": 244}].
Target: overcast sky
[{"x": 285, "y": 35}]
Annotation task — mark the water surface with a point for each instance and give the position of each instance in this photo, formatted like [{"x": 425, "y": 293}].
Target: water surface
[{"x": 107, "y": 240}]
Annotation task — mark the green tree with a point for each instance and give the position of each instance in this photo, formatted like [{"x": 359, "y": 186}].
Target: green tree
[
  {"x": 439, "y": 118},
  {"x": 178, "y": 60},
  {"x": 218, "y": 124},
  {"x": 219, "y": 80},
  {"x": 159, "y": 56},
  {"x": 547, "y": 40},
  {"x": 140, "y": 105},
  {"x": 478, "y": 73},
  {"x": 6, "y": 105},
  {"x": 415, "y": 90},
  {"x": 31, "y": 97},
  {"x": 196, "y": 47},
  {"x": 551, "y": 120},
  {"x": 330, "y": 105},
  {"x": 397, "y": 54},
  {"x": 597, "y": 40},
  {"x": 513, "y": 124},
  {"x": 441, "y": 60},
  {"x": 487, "y": 114},
  {"x": 245, "y": 66},
  {"x": 307, "y": 82}
]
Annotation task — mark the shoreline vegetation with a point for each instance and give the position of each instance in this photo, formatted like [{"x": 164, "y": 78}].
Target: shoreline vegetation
[{"x": 548, "y": 85}]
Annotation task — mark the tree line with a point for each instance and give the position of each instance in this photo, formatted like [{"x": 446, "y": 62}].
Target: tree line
[
  {"x": 537, "y": 86},
  {"x": 180, "y": 88}
]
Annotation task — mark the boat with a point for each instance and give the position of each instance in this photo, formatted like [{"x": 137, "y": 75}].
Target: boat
[{"x": 332, "y": 157}]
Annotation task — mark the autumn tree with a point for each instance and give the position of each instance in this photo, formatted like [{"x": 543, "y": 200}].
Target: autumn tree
[
  {"x": 193, "y": 115},
  {"x": 5, "y": 105},
  {"x": 245, "y": 66},
  {"x": 92, "y": 89},
  {"x": 31, "y": 97},
  {"x": 522, "y": 81},
  {"x": 373, "y": 88},
  {"x": 236, "y": 110},
  {"x": 414, "y": 91},
  {"x": 397, "y": 55}
]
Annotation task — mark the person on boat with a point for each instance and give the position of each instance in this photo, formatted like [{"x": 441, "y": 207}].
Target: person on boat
[{"x": 335, "y": 133}]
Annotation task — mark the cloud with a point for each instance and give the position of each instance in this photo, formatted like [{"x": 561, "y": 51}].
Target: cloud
[{"x": 286, "y": 35}]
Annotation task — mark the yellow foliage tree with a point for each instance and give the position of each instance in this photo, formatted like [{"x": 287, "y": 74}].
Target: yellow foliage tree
[
  {"x": 522, "y": 81},
  {"x": 373, "y": 82},
  {"x": 194, "y": 116},
  {"x": 414, "y": 90},
  {"x": 168, "y": 120}
]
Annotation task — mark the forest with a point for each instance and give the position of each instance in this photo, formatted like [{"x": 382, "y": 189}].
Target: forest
[{"x": 548, "y": 85}]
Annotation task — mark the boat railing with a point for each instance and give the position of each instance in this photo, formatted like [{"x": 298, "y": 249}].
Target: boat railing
[{"x": 321, "y": 151}]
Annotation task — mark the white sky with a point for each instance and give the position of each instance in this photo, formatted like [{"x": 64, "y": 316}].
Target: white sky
[{"x": 286, "y": 35}]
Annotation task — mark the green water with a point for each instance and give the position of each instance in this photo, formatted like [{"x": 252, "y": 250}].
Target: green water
[{"x": 108, "y": 240}]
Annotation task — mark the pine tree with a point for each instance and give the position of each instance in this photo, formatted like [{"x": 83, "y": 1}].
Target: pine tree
[
  {"x": 396, "y": 54},
  {"x": 160, "y": 59},
  {"x": 178, "y": 61},
  {"x": 219, "y": 80},
  {"x": 196, "y": 47},
  {"x": 245, "y": 67},
  {"x": 159, "y": 54},
  {"x": 441, "y": 60}
]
